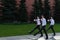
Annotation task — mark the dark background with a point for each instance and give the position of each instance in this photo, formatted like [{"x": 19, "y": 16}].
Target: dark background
[{"x": 9, "y": 13}]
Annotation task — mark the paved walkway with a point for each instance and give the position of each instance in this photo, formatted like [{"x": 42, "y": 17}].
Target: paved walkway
[{"x": 31, "y": 37}]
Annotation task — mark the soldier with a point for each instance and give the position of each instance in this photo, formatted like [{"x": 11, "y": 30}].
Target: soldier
[
  {"x": 43, "y": 20},
  {"x": 38, "y": 23},
  {"x": 52, "y": 22}
]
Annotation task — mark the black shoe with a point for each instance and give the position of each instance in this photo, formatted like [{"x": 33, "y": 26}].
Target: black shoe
[
  {"x": 54, "y": 34},
  {"x": 41, "y": 36},
  {"x": 46, "y": 38},
  {"x": 34, "y": 34}
]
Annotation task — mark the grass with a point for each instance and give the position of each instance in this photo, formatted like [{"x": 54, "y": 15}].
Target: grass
[{"x": 21, "y": 29}]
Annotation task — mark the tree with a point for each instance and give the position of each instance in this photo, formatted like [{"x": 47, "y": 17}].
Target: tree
[
  {"x": 47, "y": 9},
  {"x": 23, "y": 12},
  {"x": 57, "y": 10},
  {"x": 1, "y": 8},
  {"x": 36, "y": 9},
  {"x": 8, "y": 10}
]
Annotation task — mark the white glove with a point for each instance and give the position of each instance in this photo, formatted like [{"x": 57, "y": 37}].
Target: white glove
[
  {"x": 48, "y": 20},
  {"x": 34, "y": 19}
]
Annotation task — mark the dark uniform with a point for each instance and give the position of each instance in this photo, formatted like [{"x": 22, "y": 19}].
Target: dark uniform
[
  {"x": 43, "y": 20},
  {"x": 37, "y": 27},
  {"x": 52, "y": 22}
]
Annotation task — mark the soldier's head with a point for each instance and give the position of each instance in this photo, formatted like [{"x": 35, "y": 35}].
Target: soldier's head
[
  {"x": 37, "y": 17},
  {"x": 42, "y": 16},
  {"x": 51, "y": 17}
]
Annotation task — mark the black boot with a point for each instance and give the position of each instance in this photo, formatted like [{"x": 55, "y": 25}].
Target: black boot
[
  {"x": 35, "y": 34},
  {"x": 41, "y": 36},
  {"x": 54, "y": 34},
  {"x": 46, "y": 37}
]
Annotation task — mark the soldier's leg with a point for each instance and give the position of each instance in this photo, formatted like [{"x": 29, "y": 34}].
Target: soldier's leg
[
  {"x": 33, "y": 29},
  {"x": 39, "y": 31},
  {"x": 45, "y": 32},
  {"x": 49, "y": 28},
  {"x": 53, "y": 30}
]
